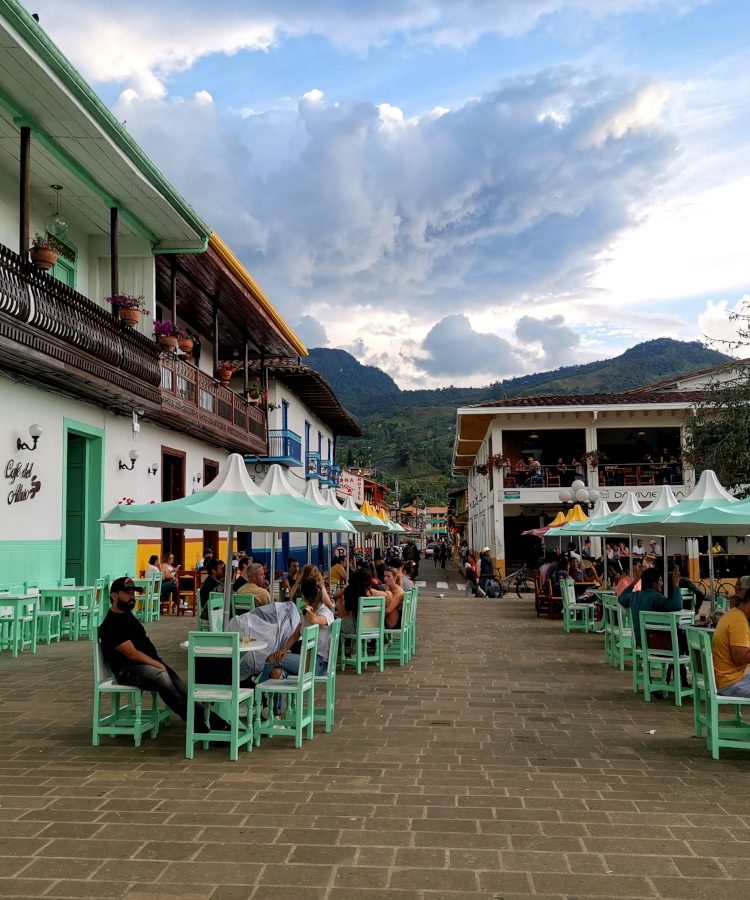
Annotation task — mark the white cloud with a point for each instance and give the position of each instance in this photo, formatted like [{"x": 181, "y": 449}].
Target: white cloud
[
  {"x": 142, "y": 43},
  {"x": 718, "y": 326},
  {"x": 555, "y": 338},
  {"x": 311, "y": 332}
]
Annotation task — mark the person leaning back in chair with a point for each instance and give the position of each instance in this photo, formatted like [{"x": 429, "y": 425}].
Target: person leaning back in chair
[
  {"x": 283, "y": 663},
  {"x": 133, "y": 658},
  {"x": 730, "y": 649}
]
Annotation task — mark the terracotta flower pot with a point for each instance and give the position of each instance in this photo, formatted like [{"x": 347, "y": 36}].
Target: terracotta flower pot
[
  {"x": 43, "y": 258},
  {"x": 168, "y": 342},
  {"x": 225, "y": 375},
  {"x": 186, "y": 345},
  {"x": 129, "y": 316}
]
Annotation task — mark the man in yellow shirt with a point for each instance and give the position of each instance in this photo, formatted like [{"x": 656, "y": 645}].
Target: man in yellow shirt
[
  {"x": 731, "y": 650},
  {"x": 254, "y": 586},
  {"x": 338, "y": 572}
]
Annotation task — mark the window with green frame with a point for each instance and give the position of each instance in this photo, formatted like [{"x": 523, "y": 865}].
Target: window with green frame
[{"x": 65, "y": 267}]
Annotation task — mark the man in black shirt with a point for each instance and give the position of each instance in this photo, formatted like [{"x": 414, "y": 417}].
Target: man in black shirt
[
  {"x": 133, "y": 658},
  {"x": 215, "y": 569},
  {"x": 241, "y": 578}
]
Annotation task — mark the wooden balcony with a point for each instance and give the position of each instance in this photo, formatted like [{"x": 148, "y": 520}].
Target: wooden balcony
[
  {"x": 53, "y": 335},
  {"x": 198, "y": 404}
]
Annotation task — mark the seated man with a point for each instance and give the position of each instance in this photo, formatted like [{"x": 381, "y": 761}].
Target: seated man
[
  {"x": 731, "y": 649},
  {"x": 134, "y": 660},
  {"x": 650, "y": 597},
  {"x": 214, "y": 582},
  {"x": 254, "y": 586},
  {"x": 338, "y": 573},
  {"x": 283, "y": 663}
]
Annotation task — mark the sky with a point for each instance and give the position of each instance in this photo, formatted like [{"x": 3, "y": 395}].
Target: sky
[{"x": 456, "y": 191}]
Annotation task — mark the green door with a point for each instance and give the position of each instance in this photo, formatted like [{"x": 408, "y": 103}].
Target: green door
[{"x": 75, "y": 509}]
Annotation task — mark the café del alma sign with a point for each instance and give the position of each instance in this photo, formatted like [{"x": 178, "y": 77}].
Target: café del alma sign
[{"x": 23, "y": 482}]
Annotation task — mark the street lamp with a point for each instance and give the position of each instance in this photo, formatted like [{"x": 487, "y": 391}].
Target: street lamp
[{"x": 579, "y": 493}]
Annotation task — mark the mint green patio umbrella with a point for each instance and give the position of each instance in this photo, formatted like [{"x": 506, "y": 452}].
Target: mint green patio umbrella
[
  {"x": 701, "y": 513},
  {"x": 231, "y": 502}
]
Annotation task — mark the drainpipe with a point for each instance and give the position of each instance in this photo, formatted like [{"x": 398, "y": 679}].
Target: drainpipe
[{"x": 24, "y": 205}]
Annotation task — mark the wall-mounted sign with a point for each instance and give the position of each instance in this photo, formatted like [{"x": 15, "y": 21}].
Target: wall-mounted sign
[
  {"x": 644, "y": 495},
  {"x": 511, "y": 495},
  {"x": 352, "y": 486},
  {"x": 24, "y": 483}
]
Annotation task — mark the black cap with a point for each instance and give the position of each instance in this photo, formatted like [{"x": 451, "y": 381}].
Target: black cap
[{"x": 125, "y": 584}]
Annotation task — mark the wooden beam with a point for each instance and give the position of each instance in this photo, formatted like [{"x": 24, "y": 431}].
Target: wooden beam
[
  {"x": 246, "y": 374},
  {"x": 24, "y": 205},
  {"x": 216, "y": 336},
  {"x": 173, "y": 287},
  {"x": 114, "y": 254}
]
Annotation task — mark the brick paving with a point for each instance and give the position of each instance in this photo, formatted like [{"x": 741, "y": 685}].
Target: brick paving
[{"x": 506, "y": 761}]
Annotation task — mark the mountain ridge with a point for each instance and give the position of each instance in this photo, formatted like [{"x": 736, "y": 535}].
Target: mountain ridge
[{"x": 408, "y": 434}]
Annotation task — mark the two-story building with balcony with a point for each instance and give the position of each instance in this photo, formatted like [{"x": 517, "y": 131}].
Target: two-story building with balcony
[
  {"x": 96, "y": 411},
  {"x": 519, "y": 453},
  {"x": 305, "y": 419}
]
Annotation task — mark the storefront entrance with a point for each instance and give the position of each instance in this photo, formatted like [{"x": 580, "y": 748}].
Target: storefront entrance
[
  {"x": 82, "y": 502},
  {"x": 173, "y": 488}
]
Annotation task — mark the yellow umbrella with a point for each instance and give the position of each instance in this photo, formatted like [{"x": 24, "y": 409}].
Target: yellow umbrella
[
  {"x": 558, "y": 520},
  {"x": 576, "y": 515}
]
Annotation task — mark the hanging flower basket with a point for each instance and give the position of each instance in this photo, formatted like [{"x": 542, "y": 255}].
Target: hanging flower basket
[
  {"x": 186, "y": 345},
  {"x": 225, "y": 371},
  {"x": 166, "y": 333},
  {"x": 43, "y": 258},
  {"x": 129, "y": 308}
]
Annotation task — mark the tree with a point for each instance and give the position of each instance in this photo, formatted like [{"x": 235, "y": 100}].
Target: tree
[{"x": 717, "y": 430}]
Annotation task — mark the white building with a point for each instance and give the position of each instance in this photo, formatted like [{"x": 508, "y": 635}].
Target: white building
[
  {"x": 115, "y": 417},
  {"x": 629, "y": 442}
]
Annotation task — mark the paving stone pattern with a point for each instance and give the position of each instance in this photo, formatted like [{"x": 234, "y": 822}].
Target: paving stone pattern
[{"x": 506, "y": 761}]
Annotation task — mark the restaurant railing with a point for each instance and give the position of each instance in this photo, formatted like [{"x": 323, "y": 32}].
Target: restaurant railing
[
  {"x": 187, "y": 390},
  {"x": 47, "y": 316},
  {"x": 609, "y": 475}
]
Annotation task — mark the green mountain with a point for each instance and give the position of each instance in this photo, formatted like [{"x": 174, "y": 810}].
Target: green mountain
[{"x": 409, "y": 434}]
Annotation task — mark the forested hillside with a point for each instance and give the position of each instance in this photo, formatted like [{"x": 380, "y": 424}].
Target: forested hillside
[{"x": 409, "y": 434}]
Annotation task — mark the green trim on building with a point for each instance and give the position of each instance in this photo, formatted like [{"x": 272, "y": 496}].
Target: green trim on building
[
  {"x": 29, "y": 561},
  {"x": 119, "y": 558},
  {"x": 36, "y": 38}
]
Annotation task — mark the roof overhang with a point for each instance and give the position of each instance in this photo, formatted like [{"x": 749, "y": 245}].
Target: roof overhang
[{"x": 74, "y": 133}]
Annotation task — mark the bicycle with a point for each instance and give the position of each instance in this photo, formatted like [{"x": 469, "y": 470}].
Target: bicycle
[{"x": 518, "y": 580}]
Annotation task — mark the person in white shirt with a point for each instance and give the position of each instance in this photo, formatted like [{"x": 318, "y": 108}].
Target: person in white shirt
[
  {"x": 655, "y": 547},
  {"x": 283, "y": 663},
  {"x": 639, "y": 551}
]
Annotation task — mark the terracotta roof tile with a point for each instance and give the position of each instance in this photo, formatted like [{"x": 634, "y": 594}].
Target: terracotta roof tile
[{"x": 641, "y": 396}]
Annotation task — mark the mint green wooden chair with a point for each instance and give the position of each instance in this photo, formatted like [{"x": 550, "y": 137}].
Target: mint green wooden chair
[
  {"x": 153, "y": 599},
  {"x": 609, "y": 620},
  {"x": 48, "y": 621},
  {"x": 242, "y": 603},
  {"x": 660, "y": 651},
  {"x": 731, "y": 733},
  {"x": 413, "y": 623},
  {"x": 327, "y": 682},
  {"x": 18, "y": 614},
  {"x": 128, "y": 718},
  {"x": 370, "y": 631},
  {"x": 299, "y": 693},
  {"x": 398, "y": 639},
  {"x": 230, "y": 701},
  {"x": 215, "y": 604},
  {"x": 576, "y": 616}
]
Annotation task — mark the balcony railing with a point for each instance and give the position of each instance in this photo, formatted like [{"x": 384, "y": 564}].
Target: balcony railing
[
  {"x": 334, "y": 475},
  {"x": 312, "y": 464},
  {"x": 70, "y": 334},
  {"x": 609, "y": 475},
  {"x": 208, "y": 408},
  {"x": 284, "y": 448}
]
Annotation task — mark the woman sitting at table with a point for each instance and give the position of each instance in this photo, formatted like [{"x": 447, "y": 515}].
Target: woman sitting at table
[
  {"x": 170, "y": 588},
  {"x": 311, "y": 571}
]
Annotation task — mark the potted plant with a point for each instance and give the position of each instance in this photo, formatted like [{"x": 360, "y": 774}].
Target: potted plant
[
  {"x": 226, "y": 369},
  {"x": 42, "y": 254},
  {"x": 255, "y": 391},
  {"x": 185, "y": 341},
  {"x": 482, "y": 469},
  {"x": 594, "y": 457},
  {"x": 166, "y": 334},
  {"x": 129, "y": 308}
]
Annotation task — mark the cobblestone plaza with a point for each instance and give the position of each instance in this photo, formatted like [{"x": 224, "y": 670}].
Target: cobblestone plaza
[{"x": 505, "y": 761}]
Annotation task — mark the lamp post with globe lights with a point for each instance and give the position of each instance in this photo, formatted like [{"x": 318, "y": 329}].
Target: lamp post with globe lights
[{"x": 579, "y": 493}]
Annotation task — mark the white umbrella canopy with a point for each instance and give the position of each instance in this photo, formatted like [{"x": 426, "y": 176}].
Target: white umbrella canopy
[
  {"x": 231, "y": 502},
  {"x": 694, "y": 516}
]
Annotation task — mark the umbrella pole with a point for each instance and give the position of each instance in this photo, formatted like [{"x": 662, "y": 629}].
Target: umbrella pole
[
  {"x": 228, "y": 581},
  {"x": 711, "y": 571},
  {"x": 309, "y": 548},
  {"x": 272, "y": 567},
  {"x": 330, "y": 541}
]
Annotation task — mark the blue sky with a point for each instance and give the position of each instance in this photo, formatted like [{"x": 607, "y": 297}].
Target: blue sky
[{"x": 455, "y": 190}]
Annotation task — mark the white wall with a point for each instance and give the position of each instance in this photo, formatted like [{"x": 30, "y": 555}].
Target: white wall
[{"x": 40, "y": 518}]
